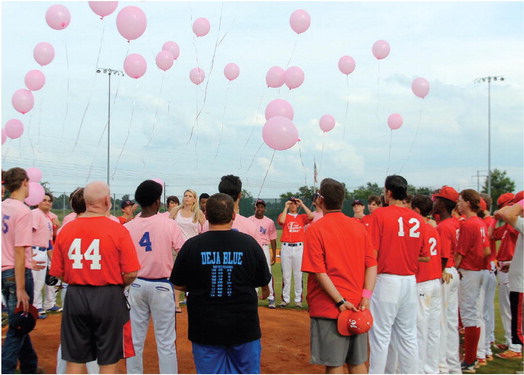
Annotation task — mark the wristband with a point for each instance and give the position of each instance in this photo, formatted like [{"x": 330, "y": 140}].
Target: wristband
[
  {"x": 340, "y": 303},
  {"x": 367, "y": 293}
]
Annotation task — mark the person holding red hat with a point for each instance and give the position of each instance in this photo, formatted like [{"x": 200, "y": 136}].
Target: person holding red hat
[
  {"x": 341, "y": 264},
  {"x": 508, "y": 239}
]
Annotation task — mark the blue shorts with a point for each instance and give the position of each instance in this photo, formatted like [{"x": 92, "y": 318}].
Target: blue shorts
[{"x": 234, "y": 359}]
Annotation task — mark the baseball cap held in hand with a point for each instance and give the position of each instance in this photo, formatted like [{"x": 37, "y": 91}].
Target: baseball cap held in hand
[
  {"x": 351, "y": 322},
  {"x": 22, "y": 321}
]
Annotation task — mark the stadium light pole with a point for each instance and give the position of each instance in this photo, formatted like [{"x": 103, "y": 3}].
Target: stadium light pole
[
  {"x": 488, "y": 80},
  {"x": 109, "y": 73}
]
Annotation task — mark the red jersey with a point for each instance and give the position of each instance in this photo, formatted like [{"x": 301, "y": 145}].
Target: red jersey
[
  {"x": 433, "y": 269},
  {"x": 471, "y": 243},
  {"x": 489, "y": 220},
  {"x": 293, "y": 228},
  {"x": 94, "y": 251},
  {"x": 507, "y": 243},
  {"x": 340, "y": 247},
  {"x": 366, "y": 220},
  {"x": 398, "y": 235},
  {"x": 448, "y": 230}
]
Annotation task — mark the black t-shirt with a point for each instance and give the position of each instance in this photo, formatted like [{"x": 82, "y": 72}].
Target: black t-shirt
[{"x": 221, "y": 270}]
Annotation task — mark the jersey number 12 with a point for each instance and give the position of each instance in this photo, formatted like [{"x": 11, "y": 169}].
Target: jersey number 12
[{"x": 413, "y": 229}]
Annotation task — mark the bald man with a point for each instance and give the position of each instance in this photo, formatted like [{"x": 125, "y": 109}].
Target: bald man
[{"x": 97, "y": 258}]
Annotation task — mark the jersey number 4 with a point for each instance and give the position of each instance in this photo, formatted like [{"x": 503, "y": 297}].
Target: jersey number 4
[
  {"x": 414, "y": 225},
  {"x": 92, "y": 253},
  {"x": 145, "y": 241}
]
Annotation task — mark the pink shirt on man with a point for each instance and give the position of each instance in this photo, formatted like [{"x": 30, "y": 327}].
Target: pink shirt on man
[
  {"x": 68, "y": 218},
  {"x": 154, "y": 238},
  {"x": 242, "y": 224},
  {"x": 266, "y": 229},
  {"x": 17, "y": 223},
  {"x": 42, "y": 228}
]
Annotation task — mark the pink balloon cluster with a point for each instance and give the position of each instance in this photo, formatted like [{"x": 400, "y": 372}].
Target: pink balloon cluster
[
  {"x": 231, "y": 71},
  {"x": 395, "y": 121},
  {"x": 103, "y": 8},
  {"x": 135, "y": 65},
  {"x": 201, "y": 27},
  {"x": 420, "y": 87},
  {"x": 293, "y": 77},
  {"x": 58, "y": 17},
  {"x": 197, "y": 76},
  {"x": 13, "y": 129},
  {"x": 279, "y": 107},
  {"x": 34, "y": 80},
  {"x": 173, "y": 48},
  {"x": 300, "y": 20},
  {"x": 327, "y": 123},
  {"x": 43, "y": 53},
  {"x": 36, "y": 194},
  {"x": 131, "y": 22}
]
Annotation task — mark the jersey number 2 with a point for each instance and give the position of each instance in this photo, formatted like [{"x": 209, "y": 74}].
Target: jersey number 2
[
  {"x": 414, "y": 226},
  {"x": 145, "y": 241},
  {"x": 92, "y": 253}
]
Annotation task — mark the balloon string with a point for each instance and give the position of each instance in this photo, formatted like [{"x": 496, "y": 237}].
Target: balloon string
[
  {"x": 156, "y": 110},
  {"x": 321, "y": 152},
  {"x": 292, "y": 51},
  {"x": 100, "y": 43},
  {"x": 39, "y": 116},
  {"x": 389, "y": 156},
  {"x": 222, "y": 122},
  {"x": 347, "y": 106},
  {"x": 254, "y": 156},
  {"x": 267, "y": 171},
  {"x": 195, "y": 123},
  {"x": 128, "y": 132},
  {"x": 378, "y": 91},
  {"x": 414, "y": 137},
  {"x": 213, "y": 57},
  {"x": 302, "y": 161},
  {"x": 252, "y": 130},
  {"x": 67, "y": 76}
]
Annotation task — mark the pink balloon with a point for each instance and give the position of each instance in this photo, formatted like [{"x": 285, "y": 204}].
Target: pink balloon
[
  {"x": 231, "y": 71},
  {"x": 43, "y": 53},
  {"x": 4, "y": 136},
  {"x": 34, "y": 174},
  {"x": 420, "y": 87},
  {"x": 197, "y": 76},
  {"x": 164, "y": 60},
  {"x": 300, "y": 21},
  {"x": 135, "y": 65},
  {"x": 275, "y": 77},
  {"x": 58, "y": 17},
  {"x": 131, "y": 22},
  {"x": 294, "y": 77},
  {"x": 23, "y": 100},
  {"x": 158, "y": 180},
  {"x": 173, "y": 48},
  {"x": 280, "y": 133},
  {"x": 279, "y": 107},
  {"x": 34, "y": 80},
  {"x": 346, "y": 65},
  {"x": 103, "y": 8},
  {"x": 36, "y": 194},
  {"x": 14, "y": 128},
  {"x": 380, "y": 49},
  {"x": 395, "y": 121},
  {"x": 201, "y": 27},
  {"x": 327, "y": 123}
]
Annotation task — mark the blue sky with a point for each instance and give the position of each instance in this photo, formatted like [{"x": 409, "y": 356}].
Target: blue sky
[{"x": 443, "y": 139}]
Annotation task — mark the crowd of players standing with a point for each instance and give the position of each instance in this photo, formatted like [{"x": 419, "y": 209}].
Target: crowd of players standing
[{"x": 400, "y": 261}]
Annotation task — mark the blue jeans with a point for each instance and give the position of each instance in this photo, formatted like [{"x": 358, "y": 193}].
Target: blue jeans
[{"x": 17, "y": 347}]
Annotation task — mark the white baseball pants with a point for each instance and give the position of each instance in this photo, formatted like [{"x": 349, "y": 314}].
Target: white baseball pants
[
  {"x": 449, "y": 332},
  {"x": 505, "y": 309},
  {"x": 469, "y": 295},
  {"x": 39, "y": 283},
  {"x": 291, "y": 262},
  {"x": 267, "y": 253},
  {"x": 393, "y": 306},
  {"x": 489, "y": 310},
  {"x": 428, "y": 325},
  {"x": 481, "y": 347},
  {"x": 153, "y": 299}
]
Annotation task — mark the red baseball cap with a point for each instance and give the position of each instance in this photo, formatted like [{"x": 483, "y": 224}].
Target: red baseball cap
[
  {"x": 505, "y": 199},
  {"x": 518, "y": 197},
  {"x": 351, "y": 322},
  {"x": 447, "y": 192},
  {"x": 483, "y": 205},
  {"x": 22, "y": 321}
]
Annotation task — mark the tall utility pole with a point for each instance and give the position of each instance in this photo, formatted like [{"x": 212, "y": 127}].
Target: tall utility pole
[
  {"x": 478, "y": 176},
  {"x": 488, "y": 80},
  {"x": 109, "y": 72}
]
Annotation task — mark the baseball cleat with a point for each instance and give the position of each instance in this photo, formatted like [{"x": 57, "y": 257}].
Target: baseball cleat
[
  {"x": 509, "y": 354},
  {"x": 282, "y": 304},
  {"x": 271, "y": 304},
  {"x": 54, "y": 309},
  {"x": 468, "y": 368},
  {"x": 298, "y": 305},
  {"x": 41, "y": 314},
  {"x": 501, "y": 346}
]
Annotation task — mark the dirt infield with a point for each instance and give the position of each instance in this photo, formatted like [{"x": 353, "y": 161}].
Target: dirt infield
[{"x": 285, "y": 343}]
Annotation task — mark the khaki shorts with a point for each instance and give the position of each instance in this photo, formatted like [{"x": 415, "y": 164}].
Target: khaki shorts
[{"x": 329, "y": 348}]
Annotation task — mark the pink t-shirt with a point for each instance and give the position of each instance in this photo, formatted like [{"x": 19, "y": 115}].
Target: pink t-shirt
[
  {"x": 17, "y": 223},
  {"x": 68, "y": 218},
  {"x": 242, "y": 224},
  {"x": 266, "y": 229},
  {"x": 154, "y": 238},
  {"x": 42, "y": 228}
]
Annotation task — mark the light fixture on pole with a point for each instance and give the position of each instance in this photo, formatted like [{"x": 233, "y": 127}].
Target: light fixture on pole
[
  {"x": 109, "y": 72},
  {"x": 488, "y": 80}
]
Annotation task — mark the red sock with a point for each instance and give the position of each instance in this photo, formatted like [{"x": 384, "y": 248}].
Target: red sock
[{"x": 471, "y": 341}]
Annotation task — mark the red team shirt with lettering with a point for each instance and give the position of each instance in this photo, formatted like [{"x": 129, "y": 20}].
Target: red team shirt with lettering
[
  {"x": 293, "y": 228},
  {"x": 398, "y": 235},
  {"x": 155, "y": 237},
  {"x": 471, "y": 243},
  {"x": 448, "y": 230},
  {"x": 94, "y": 251},
  {"x": 433, "y": 269}
]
